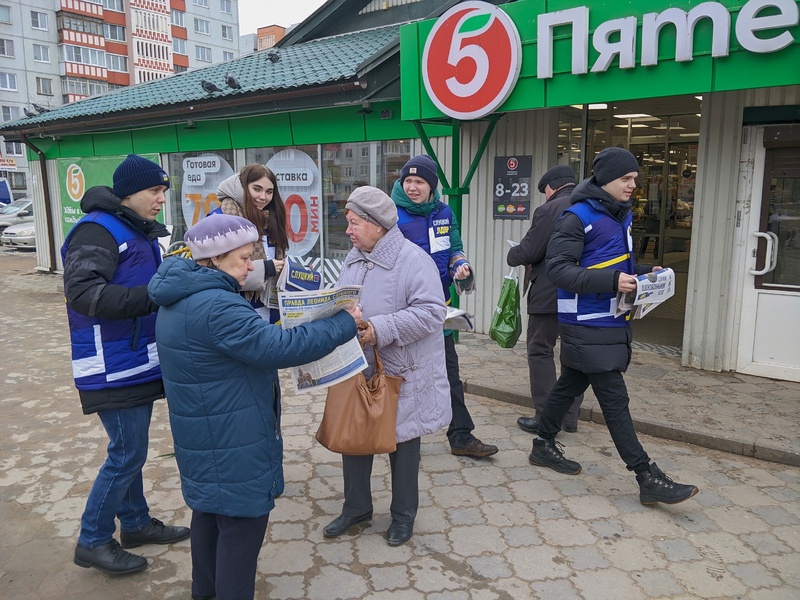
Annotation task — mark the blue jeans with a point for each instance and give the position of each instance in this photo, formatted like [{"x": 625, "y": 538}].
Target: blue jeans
[{"x": 118, "y": 489}]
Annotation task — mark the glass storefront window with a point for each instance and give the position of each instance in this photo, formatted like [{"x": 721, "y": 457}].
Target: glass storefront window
[
  {"x": 315, "y": 213},
  {"x": 194, "y": 180}
]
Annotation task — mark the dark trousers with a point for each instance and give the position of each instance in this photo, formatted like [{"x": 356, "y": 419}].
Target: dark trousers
[
  {"x": 404, "y": 463},
  {"x": 459, "y": 434},
  {"x": 613, "y": 398},
  {"x": 542, "y": 336},
  {"x": 225, "y": 553}
]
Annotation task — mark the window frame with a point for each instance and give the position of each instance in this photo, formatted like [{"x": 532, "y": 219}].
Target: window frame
[
  {"x": 223, "y": 4},
  {"x": 4, "y": 42},
  {"x": 206, "y": 22},
  {"x": 45, "y": 49},
  {"x": 205, "y": 49},
  {"x": 40, "y": 84},
  {"x": 9, "y": 77},
  {"x": 40, "y": 16}
]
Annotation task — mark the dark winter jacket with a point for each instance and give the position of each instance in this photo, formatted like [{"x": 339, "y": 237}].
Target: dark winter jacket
[
  {"x": 219, "y": 361},
  {"x": 107, "y": 287},
  {"x": 531, "y": 251},
  {"x": 590, "y": 348}
]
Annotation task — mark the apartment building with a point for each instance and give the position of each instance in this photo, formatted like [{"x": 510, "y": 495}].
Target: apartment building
[{"x": 53, "y": 52}]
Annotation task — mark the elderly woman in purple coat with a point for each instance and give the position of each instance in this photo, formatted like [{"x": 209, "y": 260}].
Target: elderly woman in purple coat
[{"x": 403, "y": 306}]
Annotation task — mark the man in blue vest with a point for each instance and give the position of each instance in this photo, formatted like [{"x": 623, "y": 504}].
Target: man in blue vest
[
  {"x": 429, "y": 223},
  {"x": 109, "y": 257},
  {"x": 590, "y": 259}
]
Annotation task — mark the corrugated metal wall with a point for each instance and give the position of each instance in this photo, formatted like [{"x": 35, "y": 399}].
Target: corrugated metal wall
[
  {"x": 532, "y": 133},
  {"x": 708, "y": 329}
]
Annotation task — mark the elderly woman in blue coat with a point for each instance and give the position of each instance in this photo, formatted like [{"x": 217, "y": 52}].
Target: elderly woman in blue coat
[
  {"x": 219, "y": 361},
  {"x": 403, "y": 306}
]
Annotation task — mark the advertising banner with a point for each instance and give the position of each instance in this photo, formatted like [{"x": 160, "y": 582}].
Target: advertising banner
[
  {"x": 76, "y": 175},
  {"x": 201, "y": 177},
  {"x": 512, "y": 187},
  {"x": 300, "y": 185}
]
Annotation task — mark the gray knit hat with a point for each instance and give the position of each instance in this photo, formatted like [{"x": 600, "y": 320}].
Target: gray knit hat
[
  {"x": 612, "y": 163},
  {"x": 218, "y": 234},
  {"x": 556, "y": 177},
  {"x": 135, "y": 174},
  {"x": 374, "y": 205}
]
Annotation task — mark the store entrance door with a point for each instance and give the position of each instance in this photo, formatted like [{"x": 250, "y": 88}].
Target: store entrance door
[{"x": 769, "y": 328}]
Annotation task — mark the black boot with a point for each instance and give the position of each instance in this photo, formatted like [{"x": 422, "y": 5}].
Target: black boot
[
  {"x": 655, "y": 486},
  {"x": 545, "y": 453},
  {"x": 109, "y": 558}
]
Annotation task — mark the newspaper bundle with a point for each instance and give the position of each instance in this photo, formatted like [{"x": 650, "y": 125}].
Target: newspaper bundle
[
  {"x": 651, "y": 290},
  {"x": 297, "y": 308},
  {"x": 294, "y": 277}
]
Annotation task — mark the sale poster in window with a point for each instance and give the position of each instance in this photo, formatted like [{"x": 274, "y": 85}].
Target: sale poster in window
[{"x": 512, "y": 187}]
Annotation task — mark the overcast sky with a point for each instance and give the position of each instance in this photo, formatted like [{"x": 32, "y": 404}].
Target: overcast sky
[{"x": 260, "y": 13}]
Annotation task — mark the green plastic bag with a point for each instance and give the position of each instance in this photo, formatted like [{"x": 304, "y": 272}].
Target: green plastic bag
[{"x": 507, "y": 321}]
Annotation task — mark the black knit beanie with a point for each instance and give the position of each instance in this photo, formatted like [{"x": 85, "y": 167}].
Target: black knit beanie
[
  {"x": 612, "y": 163},
  {"x": 135, "y": 174},
  {"x": 421, "y": 166}
]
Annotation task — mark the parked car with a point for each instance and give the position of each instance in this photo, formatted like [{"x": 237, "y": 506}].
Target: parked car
[
  {"x": 19, "y": 236},
  {"x": 19, "y": 211}
]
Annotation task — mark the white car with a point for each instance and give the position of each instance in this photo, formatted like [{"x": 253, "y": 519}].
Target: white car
[
  {"x": 19, "y": 211},
  {"x": 19, "y": 236}
]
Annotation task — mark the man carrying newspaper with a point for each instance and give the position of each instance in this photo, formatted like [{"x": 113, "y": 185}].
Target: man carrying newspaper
[{"x": 590, "y": 260}]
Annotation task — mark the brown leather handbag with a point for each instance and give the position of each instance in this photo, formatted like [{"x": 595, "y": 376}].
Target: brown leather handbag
[{"x": 360, "y": 416}]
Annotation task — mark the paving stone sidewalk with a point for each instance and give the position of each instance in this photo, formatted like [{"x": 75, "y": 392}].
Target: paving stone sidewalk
[{"x": 491, "y": 529}]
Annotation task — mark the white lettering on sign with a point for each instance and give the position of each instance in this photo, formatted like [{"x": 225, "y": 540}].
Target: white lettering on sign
[
  {"x": 624, "y": 47},
  {"x": 579, "y": 19},
  {"x": 684, "y": 24},
  {"x": 747, "y": 24},
  {"x": 297, "y": 176}
]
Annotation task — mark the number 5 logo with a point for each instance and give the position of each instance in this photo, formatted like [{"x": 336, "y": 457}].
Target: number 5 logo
[
  {"x": 76, "y": 184},
  {"x": 471, "y": 60}
]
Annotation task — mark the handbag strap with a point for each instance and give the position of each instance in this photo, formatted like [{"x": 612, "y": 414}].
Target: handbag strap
[{"x": 378, "y": 361}]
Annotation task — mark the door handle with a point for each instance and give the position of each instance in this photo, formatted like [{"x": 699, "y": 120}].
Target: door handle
[
  {"x": 774, "y": 261},
  {"x": 769, "y": 259}
]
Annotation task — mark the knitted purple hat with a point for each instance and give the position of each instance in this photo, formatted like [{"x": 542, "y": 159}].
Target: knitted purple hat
[{"x": 218, "y": 234}]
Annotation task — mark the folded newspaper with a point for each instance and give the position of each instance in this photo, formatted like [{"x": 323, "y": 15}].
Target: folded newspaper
[
  {"x": 458, "y": 319},
  {"x": 651, "y": 290},
  {"x": 294, "y": 277},
  {"x": 346, "y": 360}
]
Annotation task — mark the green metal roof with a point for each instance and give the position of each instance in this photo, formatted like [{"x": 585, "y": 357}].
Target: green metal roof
[{"x": 315, "y": 63}]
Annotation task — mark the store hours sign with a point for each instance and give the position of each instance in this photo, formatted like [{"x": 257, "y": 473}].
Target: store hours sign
[{"x": 512, "y": 187}]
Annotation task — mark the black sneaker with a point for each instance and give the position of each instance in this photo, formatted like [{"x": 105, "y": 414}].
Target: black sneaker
[
  {"x": 155, "y": 533},
  {"x": 549, "y": 453},
  {"x": 655, "y": 486}
]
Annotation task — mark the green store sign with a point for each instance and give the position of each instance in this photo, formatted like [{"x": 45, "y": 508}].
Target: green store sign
[{"x": 561, "y": 52}]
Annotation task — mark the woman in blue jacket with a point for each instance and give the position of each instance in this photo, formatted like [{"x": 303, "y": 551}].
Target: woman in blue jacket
[{"x": 219, "y": 362}]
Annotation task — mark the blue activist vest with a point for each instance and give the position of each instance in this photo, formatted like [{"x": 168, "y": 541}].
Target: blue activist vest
[
  {"x": 117, "y": 353},
  {"x": 432, "y": 234},
  {"x": 607, "y": 245}
]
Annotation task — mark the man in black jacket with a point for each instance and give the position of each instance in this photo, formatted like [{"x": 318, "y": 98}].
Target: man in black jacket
[
  {"x": 109, "y": 257},
  {"x": 590, "y": 259},
  {"x": 557, "y": 185}
]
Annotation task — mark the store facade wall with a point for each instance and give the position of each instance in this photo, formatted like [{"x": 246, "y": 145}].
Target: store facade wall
[
  {"x": 319, "y": 157},
  {"x": 691, "y": 173}
]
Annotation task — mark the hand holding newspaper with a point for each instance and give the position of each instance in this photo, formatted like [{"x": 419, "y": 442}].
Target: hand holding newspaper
[
  {"x": 346, "y": 360},
  {"x": 651, "y": 290},
  {"x": 294, "y": 277}
]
